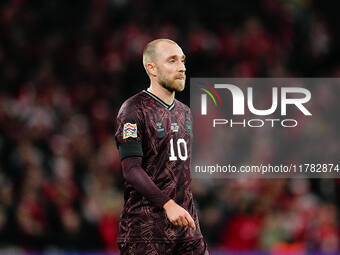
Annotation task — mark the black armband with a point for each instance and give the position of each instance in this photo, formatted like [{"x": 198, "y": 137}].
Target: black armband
[{"x": 130, "y": 149}]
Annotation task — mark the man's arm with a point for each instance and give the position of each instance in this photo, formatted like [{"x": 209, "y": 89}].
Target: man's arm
[{"x": 138, "y": 178}]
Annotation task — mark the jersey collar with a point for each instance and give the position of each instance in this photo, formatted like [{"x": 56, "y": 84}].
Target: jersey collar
[{"x": 169, "y": 107}]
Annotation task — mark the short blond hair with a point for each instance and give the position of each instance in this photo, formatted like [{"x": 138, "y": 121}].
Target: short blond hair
[{"x": 149, "y": 51}]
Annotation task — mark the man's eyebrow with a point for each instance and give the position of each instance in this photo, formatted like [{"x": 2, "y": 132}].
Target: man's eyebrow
[{"x": 175, "y": 56}]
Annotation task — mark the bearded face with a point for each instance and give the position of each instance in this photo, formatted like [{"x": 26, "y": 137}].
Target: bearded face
[
  {"x": 169, "y": 66},
  {"x": 172, "y": 82}
]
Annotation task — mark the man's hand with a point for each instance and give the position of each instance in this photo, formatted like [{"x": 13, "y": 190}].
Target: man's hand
[{"x": 178, "y": 215}]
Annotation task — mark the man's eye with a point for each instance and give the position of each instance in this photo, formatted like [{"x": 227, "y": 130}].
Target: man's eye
[
  {"x": 183, "y": 61},
  {"x": 172, "y": 61}
]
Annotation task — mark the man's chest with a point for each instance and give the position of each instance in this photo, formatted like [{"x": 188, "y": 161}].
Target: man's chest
[
  {"x": 168, "y": 133},
  {"x": 168, "y": 124}
]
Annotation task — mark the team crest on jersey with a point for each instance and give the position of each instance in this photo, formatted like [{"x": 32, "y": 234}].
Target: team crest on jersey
[
  {"x": 129, "y": 130},
  {"x": 174, "y": 127}
]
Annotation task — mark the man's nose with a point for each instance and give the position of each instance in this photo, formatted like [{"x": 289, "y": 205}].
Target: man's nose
[{"x": 182, "y": 67}]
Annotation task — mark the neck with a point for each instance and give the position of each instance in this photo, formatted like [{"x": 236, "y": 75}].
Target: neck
[{"x": 165, "y": 95}]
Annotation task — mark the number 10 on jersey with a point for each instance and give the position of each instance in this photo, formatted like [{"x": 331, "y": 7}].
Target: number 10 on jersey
[{"x": 182, "y": 150}]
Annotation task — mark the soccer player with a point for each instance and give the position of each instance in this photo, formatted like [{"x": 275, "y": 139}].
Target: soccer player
[{"x": 153, "y": 135}]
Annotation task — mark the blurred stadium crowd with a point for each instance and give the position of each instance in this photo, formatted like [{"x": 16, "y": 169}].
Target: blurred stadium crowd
[{"x": 65, "y": 69}]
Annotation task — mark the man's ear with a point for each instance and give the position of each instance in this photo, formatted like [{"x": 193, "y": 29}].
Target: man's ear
[{"x": 152, "y": 69}]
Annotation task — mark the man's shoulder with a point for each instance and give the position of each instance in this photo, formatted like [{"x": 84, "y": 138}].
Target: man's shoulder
[
  {"x": 133, "y": 103},
  {"x": 181, "y": 105}
]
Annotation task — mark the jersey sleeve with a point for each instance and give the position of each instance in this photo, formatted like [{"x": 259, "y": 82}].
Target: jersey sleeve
[
  {"x": 129, "y": 131},
  {"x": 135, "y": 175}
]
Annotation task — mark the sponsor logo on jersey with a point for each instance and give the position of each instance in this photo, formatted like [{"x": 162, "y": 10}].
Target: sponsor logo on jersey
[
  {"x": 129, "y": 130},
  {"x": 160, "y": 129}
]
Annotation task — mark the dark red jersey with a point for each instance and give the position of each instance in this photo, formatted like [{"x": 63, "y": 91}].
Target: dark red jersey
[{"x": 161, "y": 134}]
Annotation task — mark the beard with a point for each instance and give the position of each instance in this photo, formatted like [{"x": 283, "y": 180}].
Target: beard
[{"x": 172, "y": 83}]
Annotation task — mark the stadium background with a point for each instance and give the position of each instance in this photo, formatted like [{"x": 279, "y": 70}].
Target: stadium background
[{"x": 65, "y": 69}]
